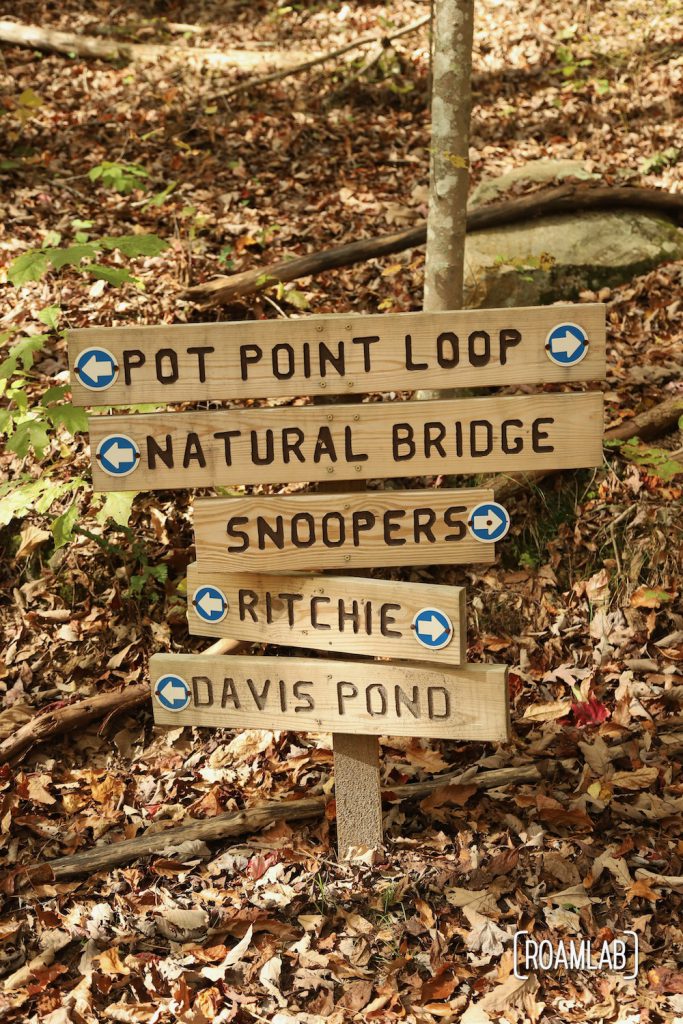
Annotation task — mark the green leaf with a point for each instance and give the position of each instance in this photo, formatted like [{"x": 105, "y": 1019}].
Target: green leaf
[
  {"x": 54, "y": 394},
  {"x": 5, "y": 421},
  {"x": 296, "y": 298},
  {"x": 30, "y": 100},
  {"x": 71, "y": 255},
  {"x": 160, "y": 198},
  {"x": 63, "y": 526},
  {"x": 23, "y": 353},
  {"x": 50, "y": 316},
  {"x": 135, "y": 245},
  {"x": 68, "y": 416},
  {"x": 29, "y": 434},
  {"x": 30, "y": 266},
  {"x": 113, "y": 275},
  {"x": 19, "y": 497},
  {"x": 117, "y": 506}
]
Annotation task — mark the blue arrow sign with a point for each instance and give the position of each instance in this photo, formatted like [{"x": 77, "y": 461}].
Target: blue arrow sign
[
  {"x": 118, "y": 455},
  {"x": 96, "y": 369},
  {"x": 566, "y": 344},
  {"x": 433, "y": 628},
  {"x": 489, "y": 522},
  {"x": 172, "y": 692},
  {"x": 210, "y": 604}
]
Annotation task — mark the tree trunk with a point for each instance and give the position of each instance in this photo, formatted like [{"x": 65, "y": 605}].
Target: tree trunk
[{"x": 449, "y": 160}]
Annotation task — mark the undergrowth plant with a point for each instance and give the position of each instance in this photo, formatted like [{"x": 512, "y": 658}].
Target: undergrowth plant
[{"x": 42, "y": 421}]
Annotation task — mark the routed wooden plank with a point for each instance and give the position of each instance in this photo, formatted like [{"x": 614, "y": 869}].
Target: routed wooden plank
[
  {"x": 475, "y": 435},
  {"x": 306, "y": 694},
  {"x": 331, "y": 355},
  {"x": 278, "y": 533},
  {"x": 331, "y": 613}
]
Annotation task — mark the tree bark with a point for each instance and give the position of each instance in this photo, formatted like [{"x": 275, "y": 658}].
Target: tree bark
[
  {"x": 449, "y": 154},
  {"x": 562, "y": 199}
]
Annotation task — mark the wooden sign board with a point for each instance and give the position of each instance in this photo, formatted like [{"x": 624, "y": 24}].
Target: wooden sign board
[
  {"x": 334, "y": 355},
  {"x": 306, "y": 443},
  {"x": 280, "y": 533},
  {"x": 310, "y": 695},
  {"x": 413, "y": 621}
]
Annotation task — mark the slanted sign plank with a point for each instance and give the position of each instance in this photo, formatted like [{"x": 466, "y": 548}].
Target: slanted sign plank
[
  {"x": 306, "y": 694},
  {"x": 337, "y": 355},
  {"x": 280, "y": 533},
  {"x": 383, "y": 618},
  {"x": 305, "y": 443}
]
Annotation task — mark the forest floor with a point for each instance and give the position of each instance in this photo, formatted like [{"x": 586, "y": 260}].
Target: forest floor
[{"x": 583, "y": 603}]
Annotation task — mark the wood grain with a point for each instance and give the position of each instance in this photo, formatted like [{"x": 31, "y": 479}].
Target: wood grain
[
  {"x": 307, "y": 694},
  {"x": 279, "y": 358},
  {"x": 330, "y": 613},
  {"x": 376, "y": 440},
  {"x": 381, "y": 528}
]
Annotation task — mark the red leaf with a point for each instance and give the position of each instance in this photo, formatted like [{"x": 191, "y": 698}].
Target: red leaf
[{"x": 589, "y": 712}]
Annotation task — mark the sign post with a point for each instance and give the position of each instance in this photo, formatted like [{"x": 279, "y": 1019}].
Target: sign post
[{"x": 261, "y": 559}]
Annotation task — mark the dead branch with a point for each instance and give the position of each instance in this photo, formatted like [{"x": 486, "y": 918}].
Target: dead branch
[
  {"x": 254, "y": 819},
  {"x": 52, "y": 40},
  {"x": 562, "y": 199},
  {"x": 380, "y": 42},
  {"x": 647, "y": 425},
  {"x": 82, "y": 712}
]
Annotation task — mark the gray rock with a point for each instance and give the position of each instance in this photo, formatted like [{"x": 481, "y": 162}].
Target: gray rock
[
  {"x": 537, "y": 172},
  {"x": 555, "y": 258}
]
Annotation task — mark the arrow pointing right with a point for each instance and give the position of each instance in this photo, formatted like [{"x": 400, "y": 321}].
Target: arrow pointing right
[
  {"x": 431, "y": 628},
  {"x": 209, "y": 604},
  {"x": 488, "y": 523},
  {"x": 567, "y": 344},
  {"x": 96, "y": 368}
]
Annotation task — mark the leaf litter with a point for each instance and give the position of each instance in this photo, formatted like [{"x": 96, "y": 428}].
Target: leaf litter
[{"x": 584, "y": 604}]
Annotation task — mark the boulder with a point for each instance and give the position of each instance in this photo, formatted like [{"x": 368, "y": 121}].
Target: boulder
[
  {"x": 554, "y": 258},
  {"x": 536, "y": 172}
]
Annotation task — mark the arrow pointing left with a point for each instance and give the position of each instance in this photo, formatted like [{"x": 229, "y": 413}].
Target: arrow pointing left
[
  {"x": 97, "y": 369},
  {"x": 209, "y": 604}
]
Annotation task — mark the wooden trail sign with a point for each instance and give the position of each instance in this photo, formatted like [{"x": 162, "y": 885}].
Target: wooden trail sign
[
  {"x": 280, "y": 533},
  {"x": 414, "y": 621},
  {"x": 336, "y": 355},
  {"x": 310, "y": 695},
  {"x": 377, "y": 440}
]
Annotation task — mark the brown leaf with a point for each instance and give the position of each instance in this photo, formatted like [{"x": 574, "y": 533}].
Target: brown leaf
[
  {"x": 643, "y": 889},
  {"x": 503, "y": 863},
  {"x": 641, "y": 778},
  {"x": 453, "y": 796},
  {"x": 356, "y": 995},
  {"x": 30, "y": 538},
  {"x": 440, "y": 987},
  {"x": 666, "y": 980}
]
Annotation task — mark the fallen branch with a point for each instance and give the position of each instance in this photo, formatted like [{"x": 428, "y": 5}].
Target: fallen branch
[
  {"x": 647, "y": 425},
  {"x": 380, "y": 41},
  {"x": 54, "y": 41},
  {"x": 82, "y": 712},
  {"x": 253, "y": 819},
  {"x": 543, "y": 203}
]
